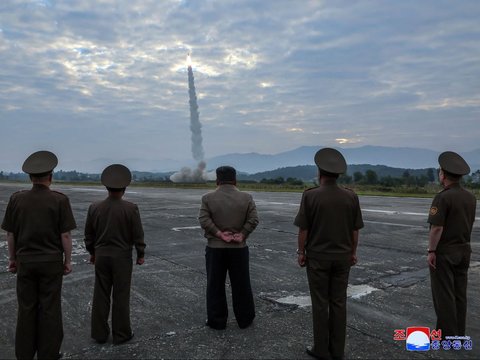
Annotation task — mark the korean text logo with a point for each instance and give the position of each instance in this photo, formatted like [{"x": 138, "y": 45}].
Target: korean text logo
[{"x": 420, "y": 338}]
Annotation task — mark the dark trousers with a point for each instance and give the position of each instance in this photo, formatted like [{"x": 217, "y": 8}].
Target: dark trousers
[
  {"x": 236, "y": 262},
  {"x": 116, "y": 273},
  {"x": 449, "y": 292},
  {"x": 328, "y": 281},
  {"x": 39, "y": 321}
]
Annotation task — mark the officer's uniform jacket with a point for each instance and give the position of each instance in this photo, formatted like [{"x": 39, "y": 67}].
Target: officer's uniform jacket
[
  {"x": 113, "y": 227},
  {"x": 37, "y": 218},
  {"x": 330, "y": 213},
  {"x": 454, "y": 209}
]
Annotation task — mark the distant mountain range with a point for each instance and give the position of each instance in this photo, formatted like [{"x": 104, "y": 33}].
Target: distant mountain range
[
  {"x": 405, "y": 158},
  {"x": 252, "y": 163},
  {"x": 309, "y": 172}
]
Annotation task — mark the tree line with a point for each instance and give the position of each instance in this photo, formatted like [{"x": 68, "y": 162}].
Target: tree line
[{"x": 368, "y": 177}]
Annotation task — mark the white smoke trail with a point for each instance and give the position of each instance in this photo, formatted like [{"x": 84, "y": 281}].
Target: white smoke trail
[
  {"x": 199, "y": 174},
  {"x": 195, "y": 125}
]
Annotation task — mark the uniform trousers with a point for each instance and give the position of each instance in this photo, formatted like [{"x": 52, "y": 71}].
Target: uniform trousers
[
  {"x": 328, "y": 281},
  {"x": 39, "y": 320},
  {"x": 236, "y": 262},
  {"x": 449, "y": 291},
  {"x": 116, "y": 273}
]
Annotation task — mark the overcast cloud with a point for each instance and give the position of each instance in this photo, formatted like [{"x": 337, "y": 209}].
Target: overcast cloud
[{"x": 99, "y": 81}]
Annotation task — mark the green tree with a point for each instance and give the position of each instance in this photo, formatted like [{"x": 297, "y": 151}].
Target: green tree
[
  {"x": 344, "y": 179},
  {"x": 371, "y": 177},
  {"x": 294, "y": 181},
  {"x": 357, "y": 177},
  {"x": 407, "y": 178},
  {"x": 387, "y": 181},
  {"x": 431, "y": 174},
  {"x": 422, "y": 180}
]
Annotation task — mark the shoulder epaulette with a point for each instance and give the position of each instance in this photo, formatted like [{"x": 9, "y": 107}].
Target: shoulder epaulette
[
  {"x": 311, "y": 188},
  {"x": 58, "y": 192}
]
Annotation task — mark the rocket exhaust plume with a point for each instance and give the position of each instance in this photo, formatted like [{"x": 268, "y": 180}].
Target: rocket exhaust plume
[
  {"x": 199, "y": 174},
  {"x": 195, "y": 125}
]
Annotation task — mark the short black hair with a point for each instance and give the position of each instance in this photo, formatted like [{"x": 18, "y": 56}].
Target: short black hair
[
  {"x": 450, "y": 176},
  {"x": 115, "y": 189},
  {"x": 40, "y": 177},
  {"x": 226, "y": 174},
  {"x": 328, "y": 174}
]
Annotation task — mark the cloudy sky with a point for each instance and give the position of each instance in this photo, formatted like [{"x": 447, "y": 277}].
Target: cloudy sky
[{"x": 100, "y": 81}]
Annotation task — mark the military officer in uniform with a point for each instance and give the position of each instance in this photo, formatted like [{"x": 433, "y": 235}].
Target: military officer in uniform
[
  {"x": 451, "y": 220},
  {"x": 329, "y": 220},
  {"x": 228, "y": 216},
  {"x": 113, "y": 227},
  {"x": 38, "y": 224}
]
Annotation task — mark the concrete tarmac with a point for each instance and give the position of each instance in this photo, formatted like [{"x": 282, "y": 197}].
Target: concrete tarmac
[{"x": 389, "y": 288}]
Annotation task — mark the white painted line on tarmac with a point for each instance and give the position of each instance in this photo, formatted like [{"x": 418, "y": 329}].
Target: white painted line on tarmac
[
  {"x": 389, "y": 212},
  {"x": 393, "y": 212},
  {"x": 100, "y": 190},
  {"x": 275, "y": 203},
  {"x": 186, "y": 228},
  {"x": 89, "y": 189},
  {"x": 394, "y": 224}
]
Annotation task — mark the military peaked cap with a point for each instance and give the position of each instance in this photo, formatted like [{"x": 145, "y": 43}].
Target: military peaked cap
[
  {"x": 116, "y": 176},
  {"x": 453, "y": 163},
  {"x": 330, "y": 160},
  {"x": 40, "y": 162}
]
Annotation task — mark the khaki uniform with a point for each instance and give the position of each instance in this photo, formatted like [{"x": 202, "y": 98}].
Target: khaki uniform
[
  {"x": 454, "y": 209},
  {"x": 112, "y": 228},
  {"x": 330, "y": 214},
  {"x": 37, "y": 218},
  {"x": 228, "y": 209}
]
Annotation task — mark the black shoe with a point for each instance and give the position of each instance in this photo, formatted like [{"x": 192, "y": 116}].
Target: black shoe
[
  {"x": 124, "y": 341},
  {"x": 215, "y": 326},
  {"x": 309, "y": 351},
  {"x": 100, "y": 341},
  {"x": 245, "y": 325}
]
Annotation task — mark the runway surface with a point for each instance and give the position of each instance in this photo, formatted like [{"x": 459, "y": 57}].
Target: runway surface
[{"x": 389, "y": 288}]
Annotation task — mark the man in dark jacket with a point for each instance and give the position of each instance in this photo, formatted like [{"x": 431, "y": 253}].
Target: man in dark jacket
[
  {"x": 38, "y": 224},
  {"x": 112, "y": 228},
  {"x": 228, "y": 216}
]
